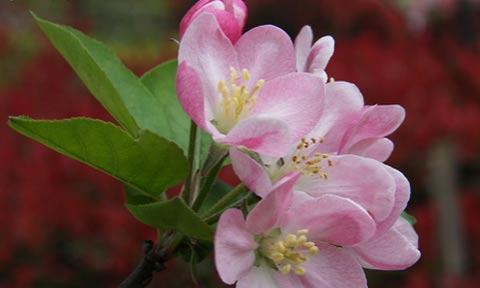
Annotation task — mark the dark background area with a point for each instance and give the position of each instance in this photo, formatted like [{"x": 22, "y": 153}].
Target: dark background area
[{"x": 64, "y": 224}]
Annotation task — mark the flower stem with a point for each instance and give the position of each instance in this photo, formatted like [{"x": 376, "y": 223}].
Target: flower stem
[
  {"x": 225, "y": 201},
  {"x": 187, "y": 193},
  {"x": 209, "y": 181},
  {"x": 247, "y": 199}
]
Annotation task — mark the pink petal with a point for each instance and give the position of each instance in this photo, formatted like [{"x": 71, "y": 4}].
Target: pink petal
[
  {"x": 265, "y": 135},
  {"x": 258, "y": 277},
  {"x": 320, "y": 54},
  {"x": 228, "y": 23},
  {"x": 268, "y": 211},
  {"x": 378, "y": 149},
  {"x": 291, "y": 280},
  {"x": 239, "y": 10},
  {"x": 234, "y": 246},
  {"x": 332, "y": 219},
  {"x": 266, "y": 52},
  {"x": 190, "y": 94},
  {"x": 402, "y": 195},
  {"x": 406, "y": 229},
  {"x": 252, "y": 174},
  {"x": 332, "y": 267},
  {"x": 232, "y": 25},
  {"x": 394, "y": 250},
  {"x": 187, "y": 18},
  {"x": 209, "y": 52},
  {"x": 376, "y": 122},
  {"x": 303, "y": 45},
  {"x": 296, "y": 98},
  {"x": 299, "y": 197},
  {"x": 362, "y": 180},
  {"x": 343, "y": 103}
]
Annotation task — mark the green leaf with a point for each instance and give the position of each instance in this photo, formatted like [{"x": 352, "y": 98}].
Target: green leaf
[
  {"x": 161, "y": 82},
  {"x": 150, "y": 163},
  {"x": 122, "y": 93},
  {"x": 172, "y": 214},
  {"x": 411, "y": 219},
  {"x": 137, "y": 197}
]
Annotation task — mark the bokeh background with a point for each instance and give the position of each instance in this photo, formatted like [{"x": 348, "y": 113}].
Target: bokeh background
[{"x": 64, "y": 225}]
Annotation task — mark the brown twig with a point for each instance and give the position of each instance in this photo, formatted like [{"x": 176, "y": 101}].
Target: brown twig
[{"x": 153, "y": 261}]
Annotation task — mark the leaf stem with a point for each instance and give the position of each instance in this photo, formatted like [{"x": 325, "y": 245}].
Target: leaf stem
[{"x": 187, "y": 193}]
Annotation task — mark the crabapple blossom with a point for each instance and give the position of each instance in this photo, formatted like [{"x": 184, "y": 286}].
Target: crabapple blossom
[
  {"x": 326, "y": 161},
  {"x": 247, "y": 94},
  {"x": 279, "y": 245}
]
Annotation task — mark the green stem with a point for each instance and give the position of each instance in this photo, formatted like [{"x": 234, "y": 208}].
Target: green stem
[
  {"x": 225, "y": 201},
  {"x": 207, "y": 185},
  {"x": 187, "y": 193},
  {"x": 173, "y": 244},
  {"x": 212, "y": 219}
]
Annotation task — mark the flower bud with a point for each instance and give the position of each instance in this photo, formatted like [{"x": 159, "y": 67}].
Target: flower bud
[{"x": 230, "y": 14}]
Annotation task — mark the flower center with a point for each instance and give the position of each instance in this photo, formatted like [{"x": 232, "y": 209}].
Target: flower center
[
  {"x": 237, "y": 100},
  {"x": 288, "y": 253},
  {"x": 310, "y": 165}
]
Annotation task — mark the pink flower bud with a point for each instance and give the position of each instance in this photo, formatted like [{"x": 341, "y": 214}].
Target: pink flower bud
[{"x": 230, "y": 14}]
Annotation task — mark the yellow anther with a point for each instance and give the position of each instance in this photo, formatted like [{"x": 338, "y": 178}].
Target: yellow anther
[
  {"x": 308, "y": 244},
  {"x": 291, "y": 240},
  {"x": 245, "y": 75},
  {"x": 237, "y": 101},
  {"x": 285, "y": 269},
  {"x": 311, "y": 165},
  {"x": 300, "y": 271},
  {"x": 302, "y": 232},
  {"x": 288, "y": 253},
  {"x": 299, "y": 258},
  {"x": 313, "y": 250},
  {"x": 257, "y": 87},
  {"x": 277, "y": 257},
  {"x": 301, "y": 239},
  {"x": 233, "y": 74}
]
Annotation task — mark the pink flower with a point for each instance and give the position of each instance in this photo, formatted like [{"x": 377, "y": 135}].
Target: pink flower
[
  {"x": 282, "y": 244},
  {"x": 247, "y": 94},
  {"x": 230, "y": 14},
  {"x": 338, "y": 157},
  {"x": 345, "y": 162},
  {"x": 313, "y": 58}
]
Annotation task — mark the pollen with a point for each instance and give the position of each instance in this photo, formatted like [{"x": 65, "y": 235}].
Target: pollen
[
  {"x": 237, "y": 98},
  {"x": 290, "y": 252},
  {"x": 313, "y": 164}
]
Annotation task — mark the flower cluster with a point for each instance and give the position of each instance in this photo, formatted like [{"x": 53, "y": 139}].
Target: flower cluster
[{"x": 306, "y": 144}]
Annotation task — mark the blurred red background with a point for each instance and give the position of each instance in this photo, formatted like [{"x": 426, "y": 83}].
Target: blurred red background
[{"x": 64, "y": 224}]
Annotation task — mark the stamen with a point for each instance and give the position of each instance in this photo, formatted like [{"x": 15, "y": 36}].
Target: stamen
[
  {"x": 237, "y": 101},
  {"x": 299, "y": 271},
  {"x": 245, "y": 75},
  {"x": 285, "y": 269},
  {"x": 311, "y": 165},
  {"x": 289, "y": 253}
]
